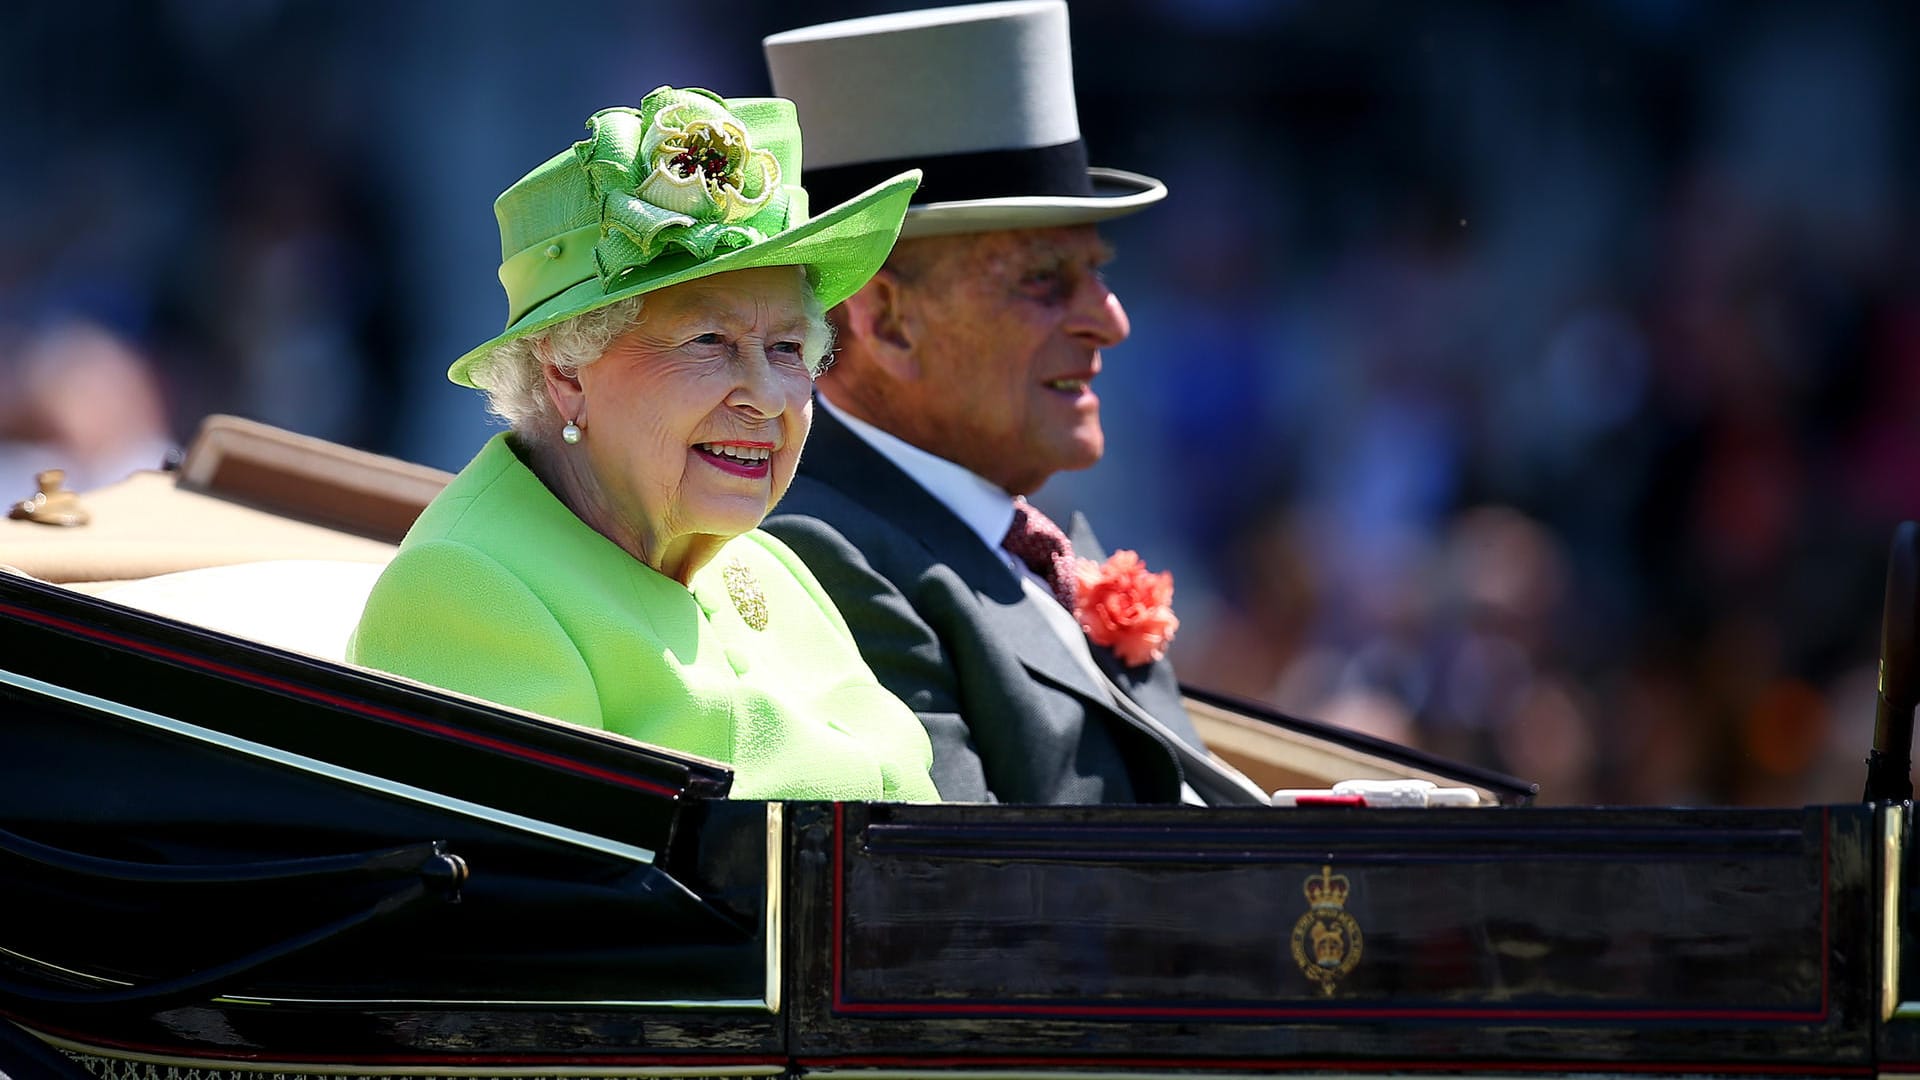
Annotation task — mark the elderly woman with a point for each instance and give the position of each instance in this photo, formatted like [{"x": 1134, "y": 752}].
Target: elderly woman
[{"x": 600, "y": 562}]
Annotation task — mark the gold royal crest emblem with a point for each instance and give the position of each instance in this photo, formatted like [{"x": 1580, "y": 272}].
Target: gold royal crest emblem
[{"x": 1326, "y": 940}]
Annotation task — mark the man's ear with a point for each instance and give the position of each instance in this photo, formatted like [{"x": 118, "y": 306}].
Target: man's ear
[
  {"x": 569, "y": 400},
  {"x": 880, "y": 319}
]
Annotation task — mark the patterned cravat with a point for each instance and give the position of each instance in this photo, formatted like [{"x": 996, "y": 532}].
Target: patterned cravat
[{"x": 1035, "y": 540}]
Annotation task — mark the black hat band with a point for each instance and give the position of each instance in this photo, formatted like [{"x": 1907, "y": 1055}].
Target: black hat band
[{"x": 1042, "y": 171}]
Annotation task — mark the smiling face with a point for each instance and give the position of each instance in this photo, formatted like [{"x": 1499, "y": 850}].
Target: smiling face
[
  {"x": 694, "y": 418},
  {"x": 1007, "y": 329}
]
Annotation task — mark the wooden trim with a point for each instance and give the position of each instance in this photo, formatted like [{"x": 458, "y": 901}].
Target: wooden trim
[{"x": 309, "y": 479}]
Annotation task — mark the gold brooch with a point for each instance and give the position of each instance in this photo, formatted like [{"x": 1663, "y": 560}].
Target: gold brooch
[
  {"x": 744, "y": 590},
  {"x": 1326, "y": 940}
]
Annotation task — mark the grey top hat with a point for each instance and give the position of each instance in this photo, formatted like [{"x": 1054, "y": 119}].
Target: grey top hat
[{"x": 980, "y": 98}]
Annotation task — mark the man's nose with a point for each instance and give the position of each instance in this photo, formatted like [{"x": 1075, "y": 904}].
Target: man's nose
[{"x": 1098, "y": 315}]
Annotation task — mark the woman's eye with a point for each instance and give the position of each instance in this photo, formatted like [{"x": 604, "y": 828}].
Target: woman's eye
[
  {"x": 708, "y": 339},
  {"x": 787, "y": 348}
]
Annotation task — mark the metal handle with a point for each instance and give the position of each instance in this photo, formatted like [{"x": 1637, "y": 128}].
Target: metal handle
[
  {"x": 424, "y": 871},
  {"x": 1890, "y": 761}
]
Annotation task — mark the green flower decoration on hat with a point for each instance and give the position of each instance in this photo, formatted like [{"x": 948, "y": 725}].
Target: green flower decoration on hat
[
  {"x": 680, "y": 170},
  {"x": 685, "y": 186}
]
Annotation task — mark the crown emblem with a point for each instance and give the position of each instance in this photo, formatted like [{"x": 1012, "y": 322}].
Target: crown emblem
[
  {"x": 1327, "y": 939},
  {"x": 1329, "y": 890}
]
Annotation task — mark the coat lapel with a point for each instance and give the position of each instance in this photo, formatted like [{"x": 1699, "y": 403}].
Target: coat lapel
[{"x": 841, "y": 459}]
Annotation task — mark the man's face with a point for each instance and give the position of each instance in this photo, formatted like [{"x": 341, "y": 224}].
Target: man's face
[{"x": 1007, "y": 329}]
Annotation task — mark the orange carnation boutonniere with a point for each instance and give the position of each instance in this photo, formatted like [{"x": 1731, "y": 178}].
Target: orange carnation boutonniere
[{"x": 1123, "y": 606}]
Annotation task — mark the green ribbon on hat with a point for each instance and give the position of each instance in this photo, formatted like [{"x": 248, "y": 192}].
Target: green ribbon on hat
[
  {"x": 678, "y": 172},
  {"x": 686, "y": 185}
]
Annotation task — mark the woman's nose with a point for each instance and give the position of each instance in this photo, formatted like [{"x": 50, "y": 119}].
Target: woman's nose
[{"x": 757, "y": 391}]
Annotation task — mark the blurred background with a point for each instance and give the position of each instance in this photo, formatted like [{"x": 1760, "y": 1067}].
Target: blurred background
[{"x": 1538, "y": 384}]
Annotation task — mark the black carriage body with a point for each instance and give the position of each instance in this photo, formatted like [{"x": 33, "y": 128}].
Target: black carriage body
[{"x": 196, "y": 829}]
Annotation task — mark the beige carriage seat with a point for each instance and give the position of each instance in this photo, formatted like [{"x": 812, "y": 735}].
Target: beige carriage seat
[
  {"x": 261, "y": 532},
  {"x": 306, "y": 605}
]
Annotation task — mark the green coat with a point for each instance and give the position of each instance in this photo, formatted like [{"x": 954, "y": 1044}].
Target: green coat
[{"x": 500, "y": 592}]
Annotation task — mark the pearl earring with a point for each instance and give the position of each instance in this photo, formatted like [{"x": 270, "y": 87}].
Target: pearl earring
[{"x": 570, "y": 434}]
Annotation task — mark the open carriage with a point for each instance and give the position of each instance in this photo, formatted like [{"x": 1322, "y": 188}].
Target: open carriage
[{"x": 224, "y": 853}]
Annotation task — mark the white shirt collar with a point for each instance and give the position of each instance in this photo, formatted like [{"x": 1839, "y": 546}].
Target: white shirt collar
[{"x": 984, "y": 506}]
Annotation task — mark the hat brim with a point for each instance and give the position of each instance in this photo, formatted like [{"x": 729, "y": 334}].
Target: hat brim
[
  {"x": 842, "y": 249},
  {"x": 1115, "y": 193}
]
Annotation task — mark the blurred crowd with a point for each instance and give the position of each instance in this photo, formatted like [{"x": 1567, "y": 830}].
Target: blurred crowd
[{"x": 1535, "y": 384}]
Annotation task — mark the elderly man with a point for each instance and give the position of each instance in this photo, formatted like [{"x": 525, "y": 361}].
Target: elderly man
[{"x": 963, "y": 381}]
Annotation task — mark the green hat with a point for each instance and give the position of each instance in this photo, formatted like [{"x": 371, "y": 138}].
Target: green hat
[{"x": 688, "y": 185}]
